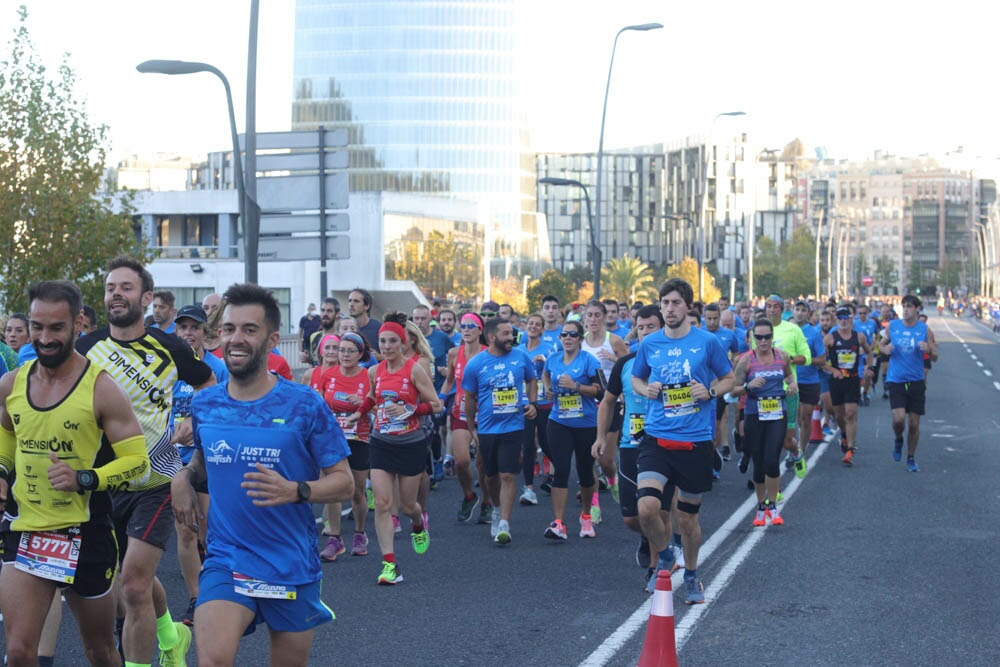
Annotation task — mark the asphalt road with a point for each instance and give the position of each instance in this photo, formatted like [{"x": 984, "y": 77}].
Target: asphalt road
[{"x": 875, "y": 566}]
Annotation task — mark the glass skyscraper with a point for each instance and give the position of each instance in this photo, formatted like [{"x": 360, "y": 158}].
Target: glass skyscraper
[{"x": 427, "y": 93}]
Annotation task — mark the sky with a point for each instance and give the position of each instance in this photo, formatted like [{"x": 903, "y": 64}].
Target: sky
[{"x": 853, "y": 77}]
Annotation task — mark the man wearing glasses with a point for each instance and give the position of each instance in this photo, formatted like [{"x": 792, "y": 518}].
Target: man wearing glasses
[{"x": 844, "y": 347}]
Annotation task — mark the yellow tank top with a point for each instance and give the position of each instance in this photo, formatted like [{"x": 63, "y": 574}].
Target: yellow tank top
[{"x": 70, "y": 431}]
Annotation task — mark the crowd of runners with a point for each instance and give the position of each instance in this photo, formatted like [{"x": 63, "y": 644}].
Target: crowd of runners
[{"x": 115, "y": 439}]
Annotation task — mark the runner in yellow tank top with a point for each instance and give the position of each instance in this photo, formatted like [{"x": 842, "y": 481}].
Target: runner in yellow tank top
[{"x": 67, "y": 435}]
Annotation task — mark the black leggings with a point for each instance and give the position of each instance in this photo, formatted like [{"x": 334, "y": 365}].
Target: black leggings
[
  {"x": 764, "y": 441},
  {"x": 528, "y": 450},
  {"x": 563, "y": 443}
]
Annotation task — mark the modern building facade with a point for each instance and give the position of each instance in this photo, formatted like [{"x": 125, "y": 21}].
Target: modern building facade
[{"x": 427, "y": 92}]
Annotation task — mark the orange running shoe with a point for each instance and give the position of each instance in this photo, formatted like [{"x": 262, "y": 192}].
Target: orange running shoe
[{"x": 848, "y": 459}]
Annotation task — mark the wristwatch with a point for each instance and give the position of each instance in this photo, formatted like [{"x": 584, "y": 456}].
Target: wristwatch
[
  {"x": 711, "y": 392},
  {"x": 304, "y": 491},
  {"x": 86, "y": 480}
]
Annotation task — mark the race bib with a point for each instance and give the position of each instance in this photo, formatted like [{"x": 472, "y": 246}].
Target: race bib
[
  {"x": 846, "y": 360},
  {"x": 49, "y": 555},
  {"x": 770, "y": 408},
  {"x": 350, "y": 430},
  {"x": 255, "y": 588},
  {"x": 397, "y": 424},
  {"x": 570, "y": 406},
  {"x": 636, "y": 422},
  {"x": 504, "y": 400},
  {"x": 678, "y": 401}
]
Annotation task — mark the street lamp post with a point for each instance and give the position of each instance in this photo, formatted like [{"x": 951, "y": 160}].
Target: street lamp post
[
  {"x": 595, "y": 248},
  {"x": 643, "y": 27},
  {"x": 174, "y": 67}
]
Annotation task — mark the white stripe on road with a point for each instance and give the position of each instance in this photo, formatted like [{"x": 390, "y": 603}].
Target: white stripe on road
[
  {"x": 974, "y": 357},
  {"x": 997, "y": 385},
  {"x": 610, "y": 646},
  {"x": 979, "y": 363},
  {"x": 988, "y": 373}
]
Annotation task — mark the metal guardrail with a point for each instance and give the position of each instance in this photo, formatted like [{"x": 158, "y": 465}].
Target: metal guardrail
[{"x": 289, "y": 347}]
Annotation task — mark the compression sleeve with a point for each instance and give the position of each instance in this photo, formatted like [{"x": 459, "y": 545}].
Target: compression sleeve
[
  {"x": 130, "y": 465},
  {"x": 8, "y": 447}
]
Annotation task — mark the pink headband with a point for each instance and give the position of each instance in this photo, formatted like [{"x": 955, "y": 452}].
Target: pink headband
[
  {"x": 324, "y": 339},
  {"x": 393, "y": 327},
  {"x": 477, "y": 320}
]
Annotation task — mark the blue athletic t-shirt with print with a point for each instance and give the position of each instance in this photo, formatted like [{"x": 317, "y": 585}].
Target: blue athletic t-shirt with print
[
  {"x": 546, "y": 349},
  {"x": 676, "y": 362},
  {"x": 290, "y": 430},
  {"x": 620, "y": 384},
  {"x": 571, "y": 408},
  {"x": 498, "y": 383},
  {"x": 810, "y": 374}
]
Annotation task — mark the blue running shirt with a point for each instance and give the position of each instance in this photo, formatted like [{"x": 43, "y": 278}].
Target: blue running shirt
[
  {"x": 571, "y": 408},
  {"x": 498, "y": 383},
  {"x": 809, "y": 374},
  {"x": 545, "y": 349},
  {"x": 676, "y": 362},
  {"x": 620, "y": 384},
  {"x": 290, "y": 430},
  {"x": 906, "y": 363}
]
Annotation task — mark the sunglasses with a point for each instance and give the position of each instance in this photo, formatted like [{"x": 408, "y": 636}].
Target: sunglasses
[
  {"x": 468, "y": 325},
  {"x": 488, "y": 314},
  {"x": 569, "y": 334},
  {"x": 843, "y": 317},
  {"x": 763, "y": 336}
]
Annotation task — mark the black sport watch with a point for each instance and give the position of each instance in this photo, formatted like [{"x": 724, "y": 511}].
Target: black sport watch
[
  {"x": 86, "y": 480},
  {"x": 304, "y": 491}
]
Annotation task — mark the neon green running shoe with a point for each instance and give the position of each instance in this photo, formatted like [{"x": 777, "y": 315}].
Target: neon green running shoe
[
  {"x": 615, "y": 494},
  {"x": 175, "y": 656},
  {"x": 780, "y": 498},
  {"x": 421, "y": 541},
  {"x": 595, "y": 514},
  {"x": 390, "y": 574},
  {"x": 371, "y": 499}
]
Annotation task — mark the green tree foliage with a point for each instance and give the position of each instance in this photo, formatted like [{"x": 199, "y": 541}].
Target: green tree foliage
[
  {"x": 688, "y": 270},
  {"x": 439, "y": 264},
  {"x": 628, "y": 279},
  {"x": 53, "y": 221},
  {"x": 789, "y": 269},
  {"x": 885, "y": 269},
  {"x": 950, "y": 275},
  {"x": 914, "y": 278},
  {"x": 551, "y": 282}
]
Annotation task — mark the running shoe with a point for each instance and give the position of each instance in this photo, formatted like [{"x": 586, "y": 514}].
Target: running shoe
[
  {"x": 760, "y": 518},
  {"x": 390, "y": 574},
  {"x": 642, "y": 552},
  {"x": 468, "y": 508},
  {"x": 727, "y": 453},
  {"x": 396, "y": 528},
  {"x": 695, "y": 592},
  {"x": 360, "y": 546},
  {"x": 587, "y": 525},
  {"x": 885, "y": 394},
  {"x": 744, "y": 463},
  {"x": 449, "y": 466},
  {"x": 602, "y": 482},
  {"x": 848, "y": 459},
  {"x": 370, "y": 496},
  {"x": 615, "y": 493},
  {"x": 827, "y": 430},
  {"x": 843, "y": 444},
  {"x": 911, "y": 464},
  {"x": 678, "y": 550},
  {"x": 801, "y": 467},
  {"x": 546, "y": 485},
  {"x": 666, "y": 560},
  {"x": 425, "y": 520},
  {"x": 529, "y": 497},
  {"x": 715, "y": 476},
  {"x": 502, "y": 537},
  {"x": 595, "y": 513},
  {"x": 421, "y": 541},
  {"x": 774, "y": 516},
  {"x": 175, "y": 656},
  {"x": 780, "y": 497},
  {"x": 650, "y": 571},
  {"x": 716, "y": 460},
  {"x": 485, "y": 514},
  {"x": 334, "y": 547},
  {"x": 438, "y": 472},
  {"x": 897, "y": 451},
  {"x": 556, "y": 531},
  {"x": 495, "y": 522},
  {"x": 188, "y": 617}
]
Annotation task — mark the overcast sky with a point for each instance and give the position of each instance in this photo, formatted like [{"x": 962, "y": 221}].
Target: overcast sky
[{"x": 851, "y": 76}]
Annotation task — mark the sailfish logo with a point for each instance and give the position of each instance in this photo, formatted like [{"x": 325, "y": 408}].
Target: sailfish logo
[{"x": 221, "y": 452}]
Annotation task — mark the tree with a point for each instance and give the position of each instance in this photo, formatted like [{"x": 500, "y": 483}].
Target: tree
[
  {"x": 509, "y": 291},
  {"x": 885, "y": 270},
  {"x": 915, "y": 278},
  {"x": 950, "y": 275},
  {"x": 628, "y": 279},
  {"x": 54, "y": 222},
  {"x": 580, "y": 274},
  {"x": 585, "y": 292},
  {"x": 797, "y": 262},
  {"x": 551, "y": 282},
  {"x": 766, "y": 274},
  {"x": 688, "y": 270}
]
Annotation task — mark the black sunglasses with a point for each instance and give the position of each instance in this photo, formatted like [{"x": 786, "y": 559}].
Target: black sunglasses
[
  {"x": 763, "y": 336},
  {"x": 570, "y": 334}
]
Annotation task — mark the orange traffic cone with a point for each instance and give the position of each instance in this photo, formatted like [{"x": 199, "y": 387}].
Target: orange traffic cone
[
  {"x": 660, "y": 648},
  {"x": 816, "y": 433}
]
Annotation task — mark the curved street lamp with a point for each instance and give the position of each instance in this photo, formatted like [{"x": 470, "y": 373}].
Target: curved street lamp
[
  {"x": 642, "y": 27},
  {"x": 595, "y": 248}
]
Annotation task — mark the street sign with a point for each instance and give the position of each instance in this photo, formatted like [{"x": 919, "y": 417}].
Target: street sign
[
  {"x": 298, "y": 139},
  {"x": 867, "y": 281},
  {"x": 291, "y": 248},
  {"x": 300, "y": 161},
  {"x": 296, "y": 224},
  {"x": 282, "y": 194}
]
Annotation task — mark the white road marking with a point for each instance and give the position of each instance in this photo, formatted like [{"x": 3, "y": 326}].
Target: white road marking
[
  {"x": 997, "y": 385},
  {"x": 942, "y": 435},
  {"x": 725, "y": 572},
  {"x": 979, "y": 363},
  {"x": 987, "y": 373}
]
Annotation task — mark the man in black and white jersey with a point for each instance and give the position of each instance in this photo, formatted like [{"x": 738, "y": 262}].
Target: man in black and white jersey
[{"x": 145, "y": 362}]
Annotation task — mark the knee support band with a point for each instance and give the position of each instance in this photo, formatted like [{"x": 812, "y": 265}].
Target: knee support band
[
  {"x": 688, "y": 508},
  {"x": 651, "y": 492}
]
